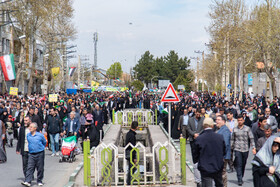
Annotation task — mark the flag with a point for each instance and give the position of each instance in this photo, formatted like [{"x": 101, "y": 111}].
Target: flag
[
  {"x": 165, "y": 111},
  {"x": 8, "y": 67},
  {"x": 55, "y": 71},
  {"x": 71, "y": 71},
  {"x": 42, "y": 99}
]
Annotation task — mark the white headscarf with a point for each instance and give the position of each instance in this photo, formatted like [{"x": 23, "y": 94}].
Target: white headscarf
[{"x": 266, "y": 156}]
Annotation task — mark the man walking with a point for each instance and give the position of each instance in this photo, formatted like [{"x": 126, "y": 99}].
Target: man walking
[
  {"x": 22, "y": 144},
  {"x": 98, "y": 118},
  {"x": 209, "y": 150},
  {"x": 194, "y": 127},
  {"x": 131, "y": 138},
  {"x": 36, "y": 156},
  {"x": 54, "y": 129},
  {"x": 241, "y": 137},
  {"x": 72, "y": 125},
  {"x": 183, "y": 122},
  {"x": 224, "y": 131}
]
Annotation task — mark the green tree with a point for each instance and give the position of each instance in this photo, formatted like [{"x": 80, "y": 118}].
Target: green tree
[
  {"x": 145, "y": 68},
  {"x": 184, "y": 79},
  {"x": 175, "y": 65},
  {"x": 138, "y": 85},
  {"x": 115, "y": 70}
]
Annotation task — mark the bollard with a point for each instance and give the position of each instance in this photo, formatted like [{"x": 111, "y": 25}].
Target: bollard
[
  {"x": 86, "y": 145},
  {"x": 156, "y": 116},
  {"x": 183, "y": 159},
  {"x": 113, "y": 116}
]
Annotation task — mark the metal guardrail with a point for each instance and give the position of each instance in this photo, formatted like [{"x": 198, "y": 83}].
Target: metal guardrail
[
  {"x": 143, "y": 117},
  {"x": 110, "y": 165}
]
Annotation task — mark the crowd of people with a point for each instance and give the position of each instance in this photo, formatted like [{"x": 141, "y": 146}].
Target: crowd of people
[{"x": 244, "y": 126}]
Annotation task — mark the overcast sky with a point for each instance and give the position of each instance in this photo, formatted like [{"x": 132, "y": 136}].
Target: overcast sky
[{"x": 128, "y": 28}]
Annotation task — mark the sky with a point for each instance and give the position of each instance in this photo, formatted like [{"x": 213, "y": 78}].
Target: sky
[{"x": 128, "y": 28}]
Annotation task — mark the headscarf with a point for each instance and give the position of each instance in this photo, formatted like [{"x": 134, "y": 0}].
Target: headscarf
[{"x": 268, "y": 159}]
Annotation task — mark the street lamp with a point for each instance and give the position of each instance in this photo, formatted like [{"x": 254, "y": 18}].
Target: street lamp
[{"x": 153, "y": 78}]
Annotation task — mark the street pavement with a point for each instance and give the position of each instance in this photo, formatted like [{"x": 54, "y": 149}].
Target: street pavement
[
  {"x": 232, "y": 178},
  {"x": 56, "y": 174}
]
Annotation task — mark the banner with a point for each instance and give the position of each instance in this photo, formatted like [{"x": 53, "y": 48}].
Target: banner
[
  {"x": 55, "y": 72},
  {"x": 52, "y": 97},
  {"x": 93, "y": 83},
  {"x": 13, "y": 91}
]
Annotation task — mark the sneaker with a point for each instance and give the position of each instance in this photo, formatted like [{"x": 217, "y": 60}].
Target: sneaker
[
  {"x": 40, "y": 184},
  {"x": 26, "y": 183},
  {"x": 52, "y": 154},
  {"x": 57, "y": 154}
]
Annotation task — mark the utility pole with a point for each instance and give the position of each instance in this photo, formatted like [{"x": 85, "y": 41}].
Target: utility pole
[
  {"x": 227, "y": 68},
  {"x": 197, "y": 66},
  {"x": 202, "y": 78},
  {"x": 95, "y": 39},
  {"x": 79, "y": 71}
]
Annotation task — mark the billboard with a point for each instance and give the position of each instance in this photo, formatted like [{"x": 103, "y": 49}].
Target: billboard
[{"x": 163, "y": 83}]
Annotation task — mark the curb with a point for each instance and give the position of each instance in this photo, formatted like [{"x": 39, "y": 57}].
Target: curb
[
  {"x": 72, "y": 178},
  {"x": 190, "y": 166}
]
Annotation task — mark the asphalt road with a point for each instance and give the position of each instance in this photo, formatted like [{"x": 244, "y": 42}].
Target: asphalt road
[{"x": 55, "y": 174}]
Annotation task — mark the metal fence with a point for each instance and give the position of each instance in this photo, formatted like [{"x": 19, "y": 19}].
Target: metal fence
[
  {"x": 160, "y": 164},
  {"x": 143, "y": 117}
]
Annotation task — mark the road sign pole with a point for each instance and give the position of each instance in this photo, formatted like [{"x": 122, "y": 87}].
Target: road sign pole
[{"x": 169, "y": 122}]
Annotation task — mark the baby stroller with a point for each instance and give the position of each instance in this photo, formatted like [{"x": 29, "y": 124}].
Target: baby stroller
[{"x": 68, "y": 149}]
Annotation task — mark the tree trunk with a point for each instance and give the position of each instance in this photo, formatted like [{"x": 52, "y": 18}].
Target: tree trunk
[
  {"x": 31, "y": 80},
  {"x": 241, "y": 86},
  {"x": 20, "y": 66}
]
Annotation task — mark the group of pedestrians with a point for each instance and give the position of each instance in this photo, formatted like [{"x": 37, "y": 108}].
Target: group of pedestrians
[{"x": 221, "y": 133}]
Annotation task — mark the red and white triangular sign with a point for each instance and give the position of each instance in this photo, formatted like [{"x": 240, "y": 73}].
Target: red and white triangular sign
[{"x": 170, "y": 95}]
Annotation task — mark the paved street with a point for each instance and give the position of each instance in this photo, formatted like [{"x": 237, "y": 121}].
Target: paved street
[
  {"x": 56, "y": 174},
  {"x": 232, "y": 178}
]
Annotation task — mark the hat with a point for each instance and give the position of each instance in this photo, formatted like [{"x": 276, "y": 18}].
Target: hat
[
  {"x": 10, "y": 116},
  {"x": 208, "y": 121}
]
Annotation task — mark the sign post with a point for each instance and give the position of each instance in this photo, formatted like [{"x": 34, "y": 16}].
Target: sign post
[{"x": 169, "y": 96}]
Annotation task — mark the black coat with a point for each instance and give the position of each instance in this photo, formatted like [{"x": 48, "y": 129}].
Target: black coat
[
  {"x": 130, "y": 138},
  {"x": 21, "y": 140},
  {"x": 259, "y": 175},
  {"x": 54, "y": 125},
  {"x": 94, "y": 136},
  {"x": 36, "y": 119},
  {"x": 209, "y": 151}
]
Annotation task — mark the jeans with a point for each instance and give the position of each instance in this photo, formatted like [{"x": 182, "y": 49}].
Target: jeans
[
  {"x": 24, "y": 162},
  {"x": 207, "y": 179},
  {"x": 196, "y": 172},
  {"x": 35, "y": 160},
  {"x": 240, "y": 163},
  {"x": 54, "y": 142}
]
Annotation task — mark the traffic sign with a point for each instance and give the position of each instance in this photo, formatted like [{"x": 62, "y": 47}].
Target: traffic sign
[
  {"x": 170, "y": 95},
  {"x": 229, "y": 86}
]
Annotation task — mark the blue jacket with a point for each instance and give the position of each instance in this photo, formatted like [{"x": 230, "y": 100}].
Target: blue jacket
[
  {"x": 36, "y": 143},
  {"x": 227, "y": 136},
  {"x": 76, "y": 125}
]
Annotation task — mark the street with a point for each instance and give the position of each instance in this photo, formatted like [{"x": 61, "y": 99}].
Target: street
[{"x": 55, "y": 175}]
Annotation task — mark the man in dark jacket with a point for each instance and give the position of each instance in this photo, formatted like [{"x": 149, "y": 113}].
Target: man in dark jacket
[
  {"x": 54, "y": 128},
  {"x": 98, "y": 118},
  {"x": 209, "y": 150},
  {"x": 131, "y": 138},
  {"x": 35, "y": 118},
  {"x": 22, "y": 146}
]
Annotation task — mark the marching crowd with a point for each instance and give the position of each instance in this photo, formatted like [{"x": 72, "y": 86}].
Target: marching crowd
[{"x": 221, "y": 131}]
